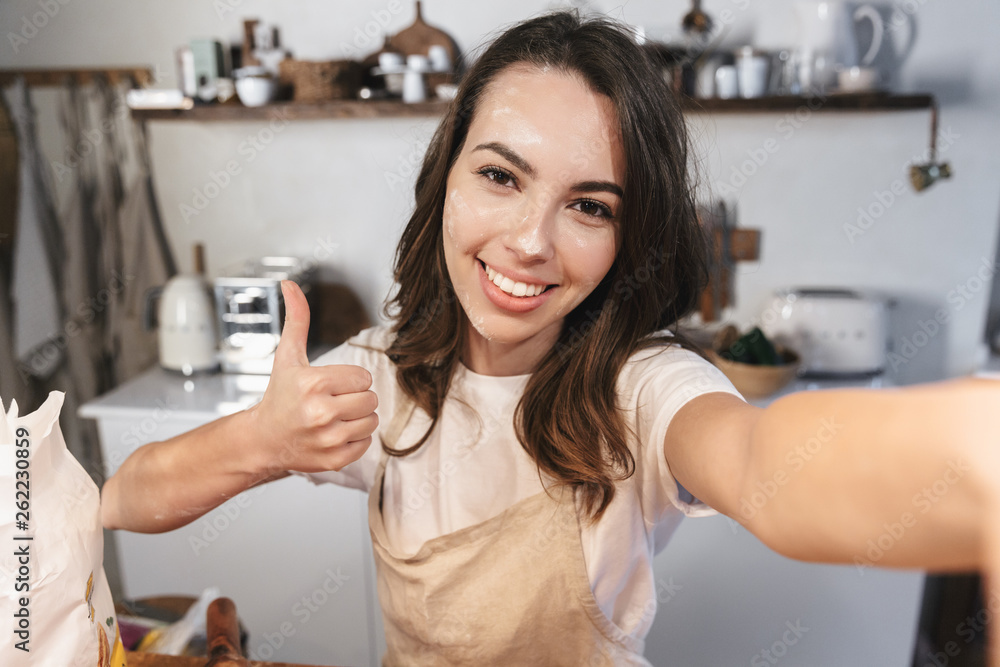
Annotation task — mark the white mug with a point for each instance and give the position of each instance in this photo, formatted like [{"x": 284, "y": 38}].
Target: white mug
[
  {"x": 418, "y": 62},
  {"x": 726, "y": 86},
  {"x": 389, "y": 61},
  {"x": 439, "y": 59}
]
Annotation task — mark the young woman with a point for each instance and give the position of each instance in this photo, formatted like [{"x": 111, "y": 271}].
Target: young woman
[{"x": 544, "y": 432}]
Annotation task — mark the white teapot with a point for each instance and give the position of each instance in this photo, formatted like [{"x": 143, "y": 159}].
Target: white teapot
[{"x": 828, "y": 41}]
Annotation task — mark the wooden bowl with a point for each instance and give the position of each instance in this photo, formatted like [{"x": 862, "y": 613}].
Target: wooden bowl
[{"x": 758, "y": 381}]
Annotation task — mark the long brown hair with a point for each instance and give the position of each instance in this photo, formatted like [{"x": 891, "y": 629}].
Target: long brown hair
[{"x": 567, "y": 420}]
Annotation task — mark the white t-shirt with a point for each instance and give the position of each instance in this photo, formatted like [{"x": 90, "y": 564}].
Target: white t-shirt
[{"x": 471, "y": 469}]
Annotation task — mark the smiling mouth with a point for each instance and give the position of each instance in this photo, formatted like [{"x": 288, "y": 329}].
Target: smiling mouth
[{"x": 512, "y": 287}]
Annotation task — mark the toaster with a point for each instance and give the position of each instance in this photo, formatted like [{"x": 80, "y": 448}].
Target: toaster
[
  {"x": 251, "y": 311},
  {"x": 837, "y": 332}
]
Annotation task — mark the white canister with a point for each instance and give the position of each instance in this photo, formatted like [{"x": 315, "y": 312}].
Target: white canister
[
  {"x": 414, "y": 88},
  {"x": 752, "y": 68},
  {"x": 726, "y": 85}
]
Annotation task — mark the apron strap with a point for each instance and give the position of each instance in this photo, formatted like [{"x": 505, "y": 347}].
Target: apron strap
[{"x": 404, "y": 410}]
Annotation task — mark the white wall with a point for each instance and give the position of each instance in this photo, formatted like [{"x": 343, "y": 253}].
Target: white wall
[{"x": 328, "y": 182}]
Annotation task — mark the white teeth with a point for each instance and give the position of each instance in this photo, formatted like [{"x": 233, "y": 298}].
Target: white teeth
[{"x": 511, "y": 287}]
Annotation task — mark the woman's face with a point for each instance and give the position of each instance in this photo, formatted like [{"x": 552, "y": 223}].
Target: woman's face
[{"x": 530, "y": 213}]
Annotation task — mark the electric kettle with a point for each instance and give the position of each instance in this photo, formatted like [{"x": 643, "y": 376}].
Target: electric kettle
[{"x": 185, "y": 320}]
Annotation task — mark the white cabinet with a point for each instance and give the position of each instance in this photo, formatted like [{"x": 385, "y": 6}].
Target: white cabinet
[
  {"x": 294, "y": 557},
  {"x": 725, "y": 599}
]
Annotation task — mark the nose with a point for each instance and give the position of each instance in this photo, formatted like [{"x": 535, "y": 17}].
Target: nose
[{"x": 530, "y": 237}]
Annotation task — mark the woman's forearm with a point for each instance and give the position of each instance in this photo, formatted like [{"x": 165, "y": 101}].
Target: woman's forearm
[
  {"x": 166, "y": 485},
  {"x": 892, "y": 478},
  {"x": 309, "y": 419}
]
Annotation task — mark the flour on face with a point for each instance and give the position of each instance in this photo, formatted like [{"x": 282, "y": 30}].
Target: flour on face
[
  {"x": 531, "y": 241},
  {"x": 476, "y": 319}
]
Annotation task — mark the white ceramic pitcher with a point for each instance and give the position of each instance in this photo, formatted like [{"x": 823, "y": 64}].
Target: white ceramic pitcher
[{"x": 828, "y": 41}]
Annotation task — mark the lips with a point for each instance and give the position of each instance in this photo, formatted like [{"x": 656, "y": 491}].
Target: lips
[{"x": 505, "y": 299}]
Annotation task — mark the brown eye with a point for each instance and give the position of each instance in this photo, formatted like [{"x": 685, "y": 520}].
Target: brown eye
[
  {"x": 594, "y": 209},
  {"x": 497, "y": 175}
]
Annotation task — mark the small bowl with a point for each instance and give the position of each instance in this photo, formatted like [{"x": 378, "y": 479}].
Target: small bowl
[
  {"x": 858, "y": 80},
  {"x": 758, "y": 381},
  {"x": 256, "y": 91}
]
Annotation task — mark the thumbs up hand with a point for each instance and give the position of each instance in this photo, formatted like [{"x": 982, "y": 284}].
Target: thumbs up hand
[{"x": 311, "y": 418}]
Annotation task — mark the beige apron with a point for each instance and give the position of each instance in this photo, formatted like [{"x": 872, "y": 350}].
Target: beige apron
[{"x": 512, "y": 590}]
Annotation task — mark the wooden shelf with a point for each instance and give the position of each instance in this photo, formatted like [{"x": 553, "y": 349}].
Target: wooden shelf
[
  {"x": 396, "y": 109},
  {"x": 297, "y": 111},
  {"x": 140, "y": 76},
  {"x": 833, "y": 102}
]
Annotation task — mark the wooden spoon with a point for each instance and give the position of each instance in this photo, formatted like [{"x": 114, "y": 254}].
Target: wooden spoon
[{"x": 223, "y": 635}]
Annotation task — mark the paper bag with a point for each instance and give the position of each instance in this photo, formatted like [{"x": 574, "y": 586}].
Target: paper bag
[{"x": 57, "y": 605}]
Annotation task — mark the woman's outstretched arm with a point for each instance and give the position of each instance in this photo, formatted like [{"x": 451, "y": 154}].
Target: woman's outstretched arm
[
  {"x": 871, "y": 478},
  {"x": 897, "y": 478},
  {"x": 310, "y": 419}
]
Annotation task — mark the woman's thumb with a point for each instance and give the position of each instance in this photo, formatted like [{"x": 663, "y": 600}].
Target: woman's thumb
[{"x": 291, "y": 349}]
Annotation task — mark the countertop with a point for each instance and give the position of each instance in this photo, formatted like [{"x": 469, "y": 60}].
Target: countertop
[{"x": 202, "y": 396}]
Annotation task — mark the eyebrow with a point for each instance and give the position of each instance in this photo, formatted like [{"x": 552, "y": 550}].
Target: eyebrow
[{"x": 511, "y": 156}]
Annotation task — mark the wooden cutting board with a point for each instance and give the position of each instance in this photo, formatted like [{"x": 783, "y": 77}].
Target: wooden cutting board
[{"x": 420, "y": 37}]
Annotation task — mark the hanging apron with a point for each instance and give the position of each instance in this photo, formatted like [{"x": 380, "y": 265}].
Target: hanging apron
[{"x": 512, "y": 590}]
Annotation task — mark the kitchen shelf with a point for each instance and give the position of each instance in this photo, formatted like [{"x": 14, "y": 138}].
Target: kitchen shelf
[
  {"x": 297, "y": 111},
  {"x": 833, "y": 102},
  {"x": 140, "y": 76},
  {"x": 840, "y": 102}
]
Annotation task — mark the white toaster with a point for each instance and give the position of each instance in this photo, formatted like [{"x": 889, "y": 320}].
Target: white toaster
[{"x": 837, "y": 332}]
